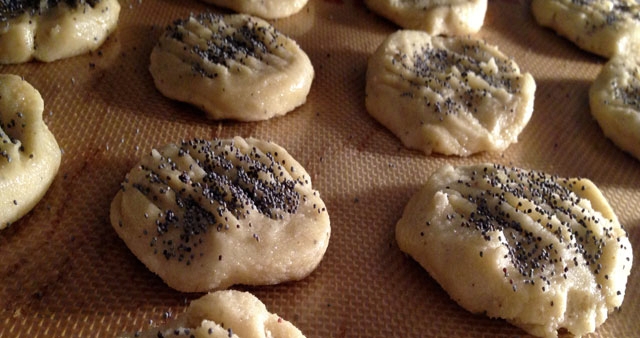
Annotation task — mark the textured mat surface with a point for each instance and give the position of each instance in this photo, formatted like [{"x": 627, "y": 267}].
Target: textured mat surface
[{"x": 64, "y": 271}]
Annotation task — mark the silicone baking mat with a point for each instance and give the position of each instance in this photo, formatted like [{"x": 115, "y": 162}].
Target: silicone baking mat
[{"x": 65, "y": 272}]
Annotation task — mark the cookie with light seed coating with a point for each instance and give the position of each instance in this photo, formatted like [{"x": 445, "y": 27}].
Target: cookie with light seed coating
[
  {"x": 543, "y": 252},
  {"x": 53, "y": 30},
  {"x": 436, "y": 17},
  {"x": 225, "y": 314},
  {"x": 207, "y": 215},
  {"x": 29, "y": 154},
  {"x": 603, "y": 27},
  {"x": 267, "y": 9},
  {"x": 453, "y": 96},
  {"x": 232, "y": 67},
  {"x": 614, "y": 99}
]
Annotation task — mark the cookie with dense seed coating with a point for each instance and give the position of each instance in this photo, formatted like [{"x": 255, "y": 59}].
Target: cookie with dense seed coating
[
  {"x": 232, "y": 67},
  {"x": 453, "y": 96},
  {"x": 543, "y": 252},
  {"x": 207, "y": 215},
  {"x": 52, "y": 30}
]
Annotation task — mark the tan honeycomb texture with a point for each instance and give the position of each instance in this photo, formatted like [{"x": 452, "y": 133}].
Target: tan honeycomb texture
[{"x": 64, "y": 271}]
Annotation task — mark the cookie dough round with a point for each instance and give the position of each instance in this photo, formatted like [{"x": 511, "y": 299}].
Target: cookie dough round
[
  {"x": 225, "y": 314},
  {"x": 267, "y": 9},
  {"x": 29, "y": 153},
  {"x": 436, "y": 17},
  {"x": 614, "y": 98},
  {"x": 453, "y": 96},
  {"x": 232, "y": 67},
  {"x": 207, "y": 215},
  {"x": 52, "y": 30},
  {"x": 543, "y": 252},
  {"x": 603, "y": 27}
]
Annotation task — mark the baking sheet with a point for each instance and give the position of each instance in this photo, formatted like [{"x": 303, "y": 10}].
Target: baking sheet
[{"x": 64, "y": 271}]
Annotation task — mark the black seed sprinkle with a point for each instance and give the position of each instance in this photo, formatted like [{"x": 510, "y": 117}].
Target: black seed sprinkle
[
  {"x": 10, "y": 8},
  {"x": 227, "y": 44},
  {"x": 498, "y": 191},
  {"x": 233, "y": 184}
]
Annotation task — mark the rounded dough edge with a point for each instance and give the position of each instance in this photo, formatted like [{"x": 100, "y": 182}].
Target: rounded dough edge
[{"x": 27, "y": 177}]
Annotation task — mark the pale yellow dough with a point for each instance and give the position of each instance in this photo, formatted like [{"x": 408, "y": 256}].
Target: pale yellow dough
[
  {"x": 267, "y": 9},
  {"x": 453, "y": 96},
  {"x": 225, "y": 314},
  {"x": 50, "y": 34},
  {"x": 436, "y": 17},
  {"x": 207, "y": 215},
  {"x": 615, "y": 101},
  {"x": 603, "y": 27},
  {"x": 29, "y": 153},
  {"x": 543, "y": 252},
  {"x": 232, "y": 67}
]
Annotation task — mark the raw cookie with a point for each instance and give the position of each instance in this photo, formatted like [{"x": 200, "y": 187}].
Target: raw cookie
[
  {"x": 54, "y": 29},
  {"x": 614, "y": 97},
  {"x": 540, "y": 251},
  {"x": 29, "y": 153},
  {"x": 603, "y": 27},
  {"x": 453, "y": 96},
  {"x": 268, "y": 9},
  {"x": 232, "y": 67},
  {"x": 225, "y": 314},
  {"x": 436, "y": 17},
  {"x": 207, "y": 215}
]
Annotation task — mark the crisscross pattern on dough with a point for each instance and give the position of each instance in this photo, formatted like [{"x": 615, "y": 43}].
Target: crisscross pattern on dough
[
  {"x": 239, "y": 44},
  {"x": 538, "y": 250},
  {"x": 231, "y": 66},
  {"x": 206, "y": 215},
  {"x": 455, "y": 96},
  {"x": 604, "y": 27}
]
